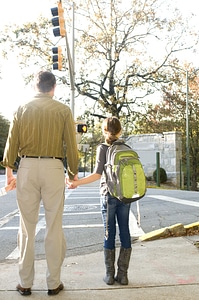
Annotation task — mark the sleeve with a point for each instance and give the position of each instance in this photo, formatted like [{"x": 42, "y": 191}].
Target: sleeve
[
  {"x": 12, "y": 145},
  {"x": 100, "y": 159},
  {"x": 71, "y": 146}
]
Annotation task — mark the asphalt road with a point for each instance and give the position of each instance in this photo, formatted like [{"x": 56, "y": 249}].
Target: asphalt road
[
  {"x": 82, "y": 220},
  {"x": 162, "y": 208}
]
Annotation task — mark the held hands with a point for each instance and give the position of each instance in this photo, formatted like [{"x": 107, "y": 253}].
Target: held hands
[{"x": 72, "y": 184}]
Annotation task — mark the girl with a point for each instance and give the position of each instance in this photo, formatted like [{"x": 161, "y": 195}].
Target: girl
[{"x": 111, "y": 208}]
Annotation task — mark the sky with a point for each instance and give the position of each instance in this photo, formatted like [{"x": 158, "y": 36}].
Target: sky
[
  {"x": 13, "y": 92},
  {"x": 20, "y": 11}
]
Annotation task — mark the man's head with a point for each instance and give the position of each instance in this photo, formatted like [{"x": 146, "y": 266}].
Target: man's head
[{"x": 45, "y": 82}]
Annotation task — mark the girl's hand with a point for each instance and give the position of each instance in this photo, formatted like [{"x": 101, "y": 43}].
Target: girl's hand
[{"x": 11, "y": 185}]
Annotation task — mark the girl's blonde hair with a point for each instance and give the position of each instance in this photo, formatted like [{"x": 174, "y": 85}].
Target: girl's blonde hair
[{"x": 111, "y": 129}]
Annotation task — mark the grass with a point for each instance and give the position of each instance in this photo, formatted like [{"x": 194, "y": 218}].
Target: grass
[{"x": 166, "y": 186}]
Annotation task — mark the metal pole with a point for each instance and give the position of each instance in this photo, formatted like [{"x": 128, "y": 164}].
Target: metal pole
[
  {"x": 187, "y": 133},
  {"x": 180, "y": 174},
  {"x": 73, "y": 36},
  {"x": 158, "y": 169},
  {"x": 71, "y": 62},
  {"x": 92, "y": 144},
  {"x": 85, "y": 162}
]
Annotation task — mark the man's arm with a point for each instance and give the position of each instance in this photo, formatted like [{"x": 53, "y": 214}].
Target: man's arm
[
  {"x": 11, "y": 147},
  {"x": 71, "y": 147}
]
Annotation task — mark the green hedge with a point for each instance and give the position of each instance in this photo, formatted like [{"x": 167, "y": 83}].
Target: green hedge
[{"x": 163, "y": 175}]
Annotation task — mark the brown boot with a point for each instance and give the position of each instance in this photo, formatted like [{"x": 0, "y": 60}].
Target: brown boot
[
  {"x": 109, "y": 258},
  {"x": 123, "y": 264}
]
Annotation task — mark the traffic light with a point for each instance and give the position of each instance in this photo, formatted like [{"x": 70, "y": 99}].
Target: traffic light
[
  {"x": 57, "y": 58},
  {"x": 81, "y": 128},
  {"x": 58, "y": 20}
]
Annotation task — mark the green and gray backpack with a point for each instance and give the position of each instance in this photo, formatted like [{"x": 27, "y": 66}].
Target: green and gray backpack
[{"x": 124, "y": 173}]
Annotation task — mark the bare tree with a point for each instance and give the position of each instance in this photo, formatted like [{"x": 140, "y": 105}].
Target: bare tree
[
  {"x": 126, "y": 49},
  {"x": 123, "y": 50}
]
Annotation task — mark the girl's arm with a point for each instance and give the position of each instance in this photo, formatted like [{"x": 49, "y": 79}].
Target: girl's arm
[{"x": 88, "y": 179}]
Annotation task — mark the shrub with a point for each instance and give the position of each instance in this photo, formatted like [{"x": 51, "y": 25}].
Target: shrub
[{"x": 163, "y": 175}]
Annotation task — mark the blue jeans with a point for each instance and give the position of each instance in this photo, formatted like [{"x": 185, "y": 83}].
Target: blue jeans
[{"x": 112, "y": 210}]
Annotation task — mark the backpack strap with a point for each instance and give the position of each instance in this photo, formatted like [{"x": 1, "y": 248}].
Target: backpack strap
[
  {"x": 120, "y": 142},
  {"x": 105, "y": 146}
]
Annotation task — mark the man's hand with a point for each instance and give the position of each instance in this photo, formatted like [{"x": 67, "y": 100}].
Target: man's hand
[
  {"x": 11, "y": 186},
  {"x": 9, "y": 176}
]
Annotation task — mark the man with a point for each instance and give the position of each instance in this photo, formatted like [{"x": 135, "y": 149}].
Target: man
[{"x": 40, "y": 132}]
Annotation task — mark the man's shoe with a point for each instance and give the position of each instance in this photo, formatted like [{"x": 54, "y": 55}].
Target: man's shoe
[
  {"x": 56, "y": 291},
  {"x": 23, "y": 291}
]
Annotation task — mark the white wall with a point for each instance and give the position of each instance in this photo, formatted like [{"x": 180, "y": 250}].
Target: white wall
[{"x": 168, "y": 144}]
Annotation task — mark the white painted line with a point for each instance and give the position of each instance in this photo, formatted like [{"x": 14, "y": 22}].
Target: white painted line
[
  {"x": 64, "y": 226},
  {"x": 88, "y": 191},
  {"x": 82, "y": 213},
  {"x": 175, "y": 200},
  {"x": 86, "y": 197},
  {"x": 8, "y": 217},
  {"x": 82, "y": 204},
  {"x": 14, "y": 254},
  {"x": 68, "y": 192},
  {"x": 135, "y": 230},
  {"x": 83, "y": 226},
  {"x": 70, "y": 214},
  {"x": 9, "y": 228}
]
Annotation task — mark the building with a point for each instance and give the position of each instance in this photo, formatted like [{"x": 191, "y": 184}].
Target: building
[{"x": 169, "y": 146}]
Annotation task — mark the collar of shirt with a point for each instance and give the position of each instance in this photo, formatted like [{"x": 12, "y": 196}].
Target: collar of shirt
[{"x": 41, "y": 96}]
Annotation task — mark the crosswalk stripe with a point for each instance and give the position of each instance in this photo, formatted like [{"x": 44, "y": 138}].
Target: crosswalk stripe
[{"x": 175, "y": 200}]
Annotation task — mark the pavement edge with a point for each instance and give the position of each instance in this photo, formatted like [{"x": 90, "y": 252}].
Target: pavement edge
[{"x": 176, "y": 230}]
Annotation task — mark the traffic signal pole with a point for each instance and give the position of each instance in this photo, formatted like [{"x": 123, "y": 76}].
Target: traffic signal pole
[
  {"x": 73, "y": 61},
  {"x": 71, "y": 75},
  {"x": 60, "y": 30}
]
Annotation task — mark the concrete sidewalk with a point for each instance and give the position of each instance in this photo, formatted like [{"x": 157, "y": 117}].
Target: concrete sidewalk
[{"x": 159, "y": 269}]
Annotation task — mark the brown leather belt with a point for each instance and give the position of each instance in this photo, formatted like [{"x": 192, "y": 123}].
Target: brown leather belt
[{"x": 53, "y": 157}]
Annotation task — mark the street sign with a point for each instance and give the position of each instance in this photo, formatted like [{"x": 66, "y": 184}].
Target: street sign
[{"x": 84, "y": 147}]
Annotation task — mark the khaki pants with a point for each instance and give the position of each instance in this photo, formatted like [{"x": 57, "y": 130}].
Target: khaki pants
[{"x": 41, "y": 179}]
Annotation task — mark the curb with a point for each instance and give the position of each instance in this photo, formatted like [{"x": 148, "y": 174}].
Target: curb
[{"x": 176, "y": 230}]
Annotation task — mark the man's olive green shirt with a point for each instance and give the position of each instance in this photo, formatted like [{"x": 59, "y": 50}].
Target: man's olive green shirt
[{"x": 42, "y": 127}]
